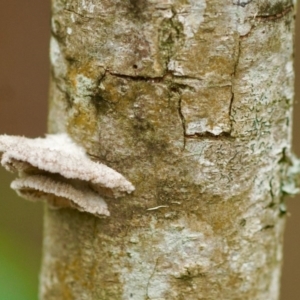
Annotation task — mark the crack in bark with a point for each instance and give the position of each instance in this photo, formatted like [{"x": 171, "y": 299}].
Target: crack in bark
[
  {"x": 181, "y": 116},
  {"x": 151, "y": 276},
  {"x": 266, "y": 18},
  {"x": 266, "y": 227},
  {"x": 275, "y": 16},
  {"x": 238, "y": 54},
  {"x": 138, "y": 77},
  {"x": 78, "y": 14},
  {"x": 208, "y": 135},
  {"x": 168, "y": 76},
  {"x": 271, "y": 192}
]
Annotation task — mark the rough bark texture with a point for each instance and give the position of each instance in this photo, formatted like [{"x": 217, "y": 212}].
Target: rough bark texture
[{"x": 191, "y": 101}]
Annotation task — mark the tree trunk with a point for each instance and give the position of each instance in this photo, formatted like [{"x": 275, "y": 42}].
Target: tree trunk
[{"x": 192, "y": 102}]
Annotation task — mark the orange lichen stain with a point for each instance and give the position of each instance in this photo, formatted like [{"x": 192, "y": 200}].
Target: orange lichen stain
[
  {"x": 114, "y": 88},
  {"x": 65, "y": 290},
  {"x": 83, "y": 119},
  {"x": 88, "y": 69},
  {"x": 70, "y": 273},
  {"x": 128, "y": 96}
]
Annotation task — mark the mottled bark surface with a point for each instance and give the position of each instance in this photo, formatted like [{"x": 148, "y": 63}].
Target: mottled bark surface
[{"x": 191, "y": 101}]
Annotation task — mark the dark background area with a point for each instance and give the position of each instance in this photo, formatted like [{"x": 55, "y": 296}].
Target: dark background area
[{"x": 24, "y": 73}]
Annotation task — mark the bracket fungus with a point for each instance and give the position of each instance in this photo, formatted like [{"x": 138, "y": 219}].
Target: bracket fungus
[{"x": 59, "y": 171}]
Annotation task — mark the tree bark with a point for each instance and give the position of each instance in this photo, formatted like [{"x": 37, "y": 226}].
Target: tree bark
[{"x": 192, "y": 102}]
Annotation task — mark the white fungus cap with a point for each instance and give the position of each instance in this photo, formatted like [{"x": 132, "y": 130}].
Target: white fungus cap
[
  {"x": 59, "y": 194},
  {"x": 65, "y": 172}
]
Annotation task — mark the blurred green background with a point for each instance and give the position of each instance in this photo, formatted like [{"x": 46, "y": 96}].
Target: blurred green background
[
  {"x": 24, "y": 73},
  {"x": 20, "y": 244}
]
